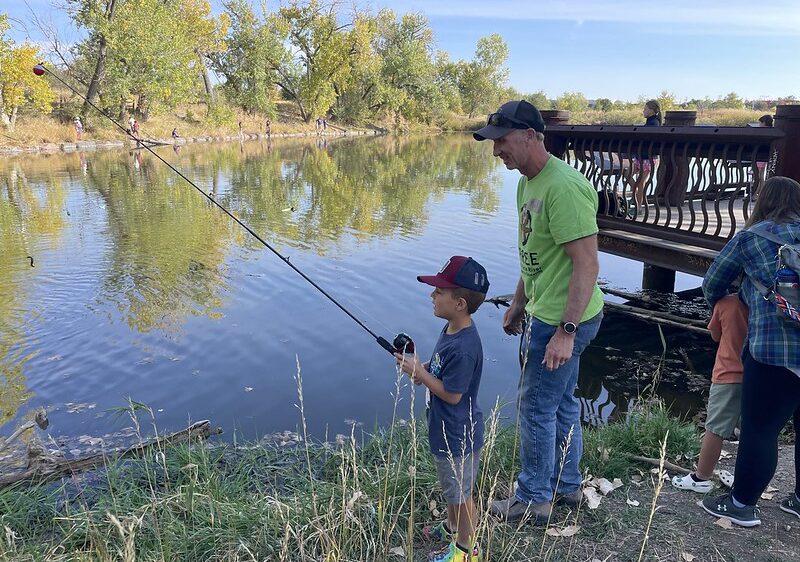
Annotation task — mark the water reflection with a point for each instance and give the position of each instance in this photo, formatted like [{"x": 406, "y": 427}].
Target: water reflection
[{"x": 143, "y": 289}]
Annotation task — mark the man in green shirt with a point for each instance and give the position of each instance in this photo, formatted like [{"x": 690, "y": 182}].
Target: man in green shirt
[{"x": 558, "y": 290}]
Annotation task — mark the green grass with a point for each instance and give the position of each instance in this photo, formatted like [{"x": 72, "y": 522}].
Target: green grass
[{"x": 308, "y": 502}]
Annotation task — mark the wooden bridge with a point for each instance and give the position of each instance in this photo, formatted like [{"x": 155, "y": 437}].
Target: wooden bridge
[{"x": 701, "y": 191}]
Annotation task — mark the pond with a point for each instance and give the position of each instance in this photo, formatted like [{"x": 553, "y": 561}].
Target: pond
[{"x": 142, "y": 290}]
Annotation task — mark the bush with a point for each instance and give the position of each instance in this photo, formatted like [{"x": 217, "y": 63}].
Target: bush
[{"x": 220, "y": 114}]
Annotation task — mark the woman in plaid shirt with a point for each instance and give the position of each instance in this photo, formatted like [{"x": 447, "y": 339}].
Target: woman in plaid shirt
[{"x": 771, "y": 355}]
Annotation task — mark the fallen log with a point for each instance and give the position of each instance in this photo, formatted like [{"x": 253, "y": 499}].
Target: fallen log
[
  {"x": 48, "y": 467},
  {"x": 663, "y": 318},
  {"x": 40, "y": 419}
]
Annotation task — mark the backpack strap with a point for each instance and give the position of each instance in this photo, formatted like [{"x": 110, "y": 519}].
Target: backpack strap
[{"x": 769, "y": 236}]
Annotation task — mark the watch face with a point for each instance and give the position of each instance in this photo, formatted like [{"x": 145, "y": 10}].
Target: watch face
[{"x": 569, "y": 327}]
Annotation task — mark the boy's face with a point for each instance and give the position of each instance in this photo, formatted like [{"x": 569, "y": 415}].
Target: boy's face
[{"x": 445, "y": 304}]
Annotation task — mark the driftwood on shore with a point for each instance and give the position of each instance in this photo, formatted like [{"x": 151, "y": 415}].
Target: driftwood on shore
[
  {"x": 646, "y": 314},
  {"x": 43, "y": 466}
]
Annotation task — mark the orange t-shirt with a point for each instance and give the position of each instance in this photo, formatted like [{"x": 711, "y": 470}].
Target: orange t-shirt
[{"x": 728, "y": 326}]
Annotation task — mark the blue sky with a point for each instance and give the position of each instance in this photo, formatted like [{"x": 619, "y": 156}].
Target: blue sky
[{"x": 616, "y": 48}]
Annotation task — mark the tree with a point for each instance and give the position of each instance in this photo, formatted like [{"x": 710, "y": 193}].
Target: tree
[
  {"x": 126, "y": 48},
  {"x": 485, "y": 76},
  {"x": 208, "y": 33},
  {"x": 18, "y": 84},
  {"x": 248, "y": 62},
  {"x": 316, "y": 67},
  {"x": 733, "y": 101},
  {"x": 539, "y": 99},
  {"x": 666, "y": 100},
  {"x": 603, "y": 104},
  {"x": 572, "y": 101}
]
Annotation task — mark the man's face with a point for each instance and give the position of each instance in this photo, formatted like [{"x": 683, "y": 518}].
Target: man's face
[{"x": 512, "y": 149}]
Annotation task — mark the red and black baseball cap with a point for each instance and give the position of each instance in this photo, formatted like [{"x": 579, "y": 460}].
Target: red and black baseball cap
[{"x": 459, "y": 271}]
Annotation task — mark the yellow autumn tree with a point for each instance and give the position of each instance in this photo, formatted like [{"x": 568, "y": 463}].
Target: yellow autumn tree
[{"x": 18, "y": 84}]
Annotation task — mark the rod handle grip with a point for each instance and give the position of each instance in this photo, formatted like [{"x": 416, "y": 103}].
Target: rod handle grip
[{"x": 385, "y": 344}]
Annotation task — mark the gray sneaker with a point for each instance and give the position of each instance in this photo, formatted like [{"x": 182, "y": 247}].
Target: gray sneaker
[
  {"x": 512, "y": 510},
  {"x": 791, "y": 505},
  {"x": 722, "y": 506},
  {"x": 572, "y": 499}
]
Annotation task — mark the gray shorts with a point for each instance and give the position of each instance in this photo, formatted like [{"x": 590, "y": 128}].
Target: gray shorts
[
  {"x": 457, "y": 476},
  {"x": 724, "y": 408}
]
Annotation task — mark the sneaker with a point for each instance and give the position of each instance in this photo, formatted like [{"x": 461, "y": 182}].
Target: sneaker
[
  {"x": 437, "y": 533},
  {"x": 688, "y": 483},
  {"x": 512, "y": 510},
  {"x": 791, "y": 505},
  {"x": 451, "y": 553},
  {"x": 572, "y": 500},
  {"x": 722, "y": 506}
]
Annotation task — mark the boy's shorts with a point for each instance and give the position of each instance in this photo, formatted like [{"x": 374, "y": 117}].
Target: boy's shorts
[
  {"x": 724, "y": 408},
  {"x": 457, "y": 476}
]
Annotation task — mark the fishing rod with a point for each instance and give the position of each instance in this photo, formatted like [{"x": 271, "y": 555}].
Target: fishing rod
[{"x": 402, "y": 343}]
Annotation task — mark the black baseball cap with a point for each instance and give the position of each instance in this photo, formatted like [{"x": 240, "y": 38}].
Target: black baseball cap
[{"x": 518, "y": 114}]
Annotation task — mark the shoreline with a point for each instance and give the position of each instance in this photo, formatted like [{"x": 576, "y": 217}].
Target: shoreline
[{"x": 93, "y": 145}]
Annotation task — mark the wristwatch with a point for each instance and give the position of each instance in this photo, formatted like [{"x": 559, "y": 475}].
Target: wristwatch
[{"x": 569, "y": 327}]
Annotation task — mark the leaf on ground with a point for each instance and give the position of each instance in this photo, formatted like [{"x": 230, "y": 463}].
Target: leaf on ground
[
  {"x": 686, "y": 557},
  {"x": 567, "y": 531},
  {"x": 604, "y": 485},
  {"x": 397, "y": 551},
  {"x": 632, "y": 503},
  {"x": 767, "y": 496},
  {"x": 771, "y": 489},
  {"x": 617, "y": 483},
  {"x": 724, "y": 523},
  {"x": 723, "y": 454},
  {"x": 592, "y": 497},
  {"x": 432, "y": 507}
]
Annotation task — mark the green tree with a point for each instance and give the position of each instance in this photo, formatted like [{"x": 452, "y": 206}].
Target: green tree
[
  {"x": 18, "y": 85},
  {"x": 666, "y": 100},
  {"x": 483, "y": 78},
  {"x": 248, "y": 61},
  {"x": 572, "y": 101},
  {"x": 733, "y": 101},
  {"x": 603, "y": 104},
  {"x": 539, "y": 99},
  {"x": 316, "y": 68}
]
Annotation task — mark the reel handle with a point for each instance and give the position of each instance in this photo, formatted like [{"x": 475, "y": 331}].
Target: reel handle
[{"x": 402, "y": 344}]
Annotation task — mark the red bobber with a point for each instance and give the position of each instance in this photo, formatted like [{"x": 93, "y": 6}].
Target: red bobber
[{"x": 38, "y": 70}]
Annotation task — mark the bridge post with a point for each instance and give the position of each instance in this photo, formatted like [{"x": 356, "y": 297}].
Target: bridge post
[
  {"x": 673, "y": 173},
  {"x": 787, "y": 119},
  {"x": 657, "y": 278},
  {"x": 557, "y": 146}
]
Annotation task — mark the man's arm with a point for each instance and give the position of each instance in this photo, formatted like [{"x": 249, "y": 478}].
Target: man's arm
[
  {"x": 512, "y": 319},
  {"x": 585, "y": 267}
]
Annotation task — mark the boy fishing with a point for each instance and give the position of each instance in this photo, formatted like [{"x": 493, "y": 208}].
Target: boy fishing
[{"x": 455, "y": 421}]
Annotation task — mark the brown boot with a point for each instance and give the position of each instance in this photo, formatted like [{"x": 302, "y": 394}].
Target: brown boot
[{"x": 512, "y": 510}]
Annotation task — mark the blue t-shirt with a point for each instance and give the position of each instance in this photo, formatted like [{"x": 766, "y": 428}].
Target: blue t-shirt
[{"x": 457, "y": 361}]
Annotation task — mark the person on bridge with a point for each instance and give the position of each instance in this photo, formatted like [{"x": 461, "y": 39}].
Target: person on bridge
[
  {"x": 641, "y": 163},
  {"x": 557, "y": 306},
  {"x": 771, "y": 355}
]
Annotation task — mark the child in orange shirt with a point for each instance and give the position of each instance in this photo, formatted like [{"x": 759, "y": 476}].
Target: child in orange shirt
[{"x": 728, "y": 326}]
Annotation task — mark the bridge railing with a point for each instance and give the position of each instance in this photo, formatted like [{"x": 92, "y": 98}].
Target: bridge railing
[{"x": 697, "y": 184}]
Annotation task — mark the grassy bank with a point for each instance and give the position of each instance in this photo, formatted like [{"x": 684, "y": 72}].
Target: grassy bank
[
  {"x": 196, "y": 120},
  {"x": 365, "y": 498}
]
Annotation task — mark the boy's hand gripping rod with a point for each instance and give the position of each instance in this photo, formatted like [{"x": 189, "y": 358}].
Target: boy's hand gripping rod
[{"x": 402, "y": 343}]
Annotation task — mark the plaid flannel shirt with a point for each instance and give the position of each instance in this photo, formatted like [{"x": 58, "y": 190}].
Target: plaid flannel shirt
[{"x": 772, "y": 340}]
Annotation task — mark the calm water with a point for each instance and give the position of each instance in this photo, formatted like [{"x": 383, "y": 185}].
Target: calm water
[{"x": 142, "y": 290}]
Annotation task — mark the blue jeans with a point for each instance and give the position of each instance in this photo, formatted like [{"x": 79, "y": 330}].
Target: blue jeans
[{"x": 548, "y": 411}]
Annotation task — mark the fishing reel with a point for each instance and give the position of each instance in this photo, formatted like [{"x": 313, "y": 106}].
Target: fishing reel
[{"x": 402, "y": 343}]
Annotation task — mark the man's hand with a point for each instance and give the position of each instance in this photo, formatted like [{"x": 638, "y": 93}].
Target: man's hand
[
  {"x": 558, "y": 350},
  {"x": 411, "y": 365},
  {"x": 512, "y": 319}
]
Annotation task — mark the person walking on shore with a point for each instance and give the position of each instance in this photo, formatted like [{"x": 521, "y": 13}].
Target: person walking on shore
[
  {"x": 78, "y": 127},
  {"x": 771, "y": 356},
  {"x": 557, "y": 242}
]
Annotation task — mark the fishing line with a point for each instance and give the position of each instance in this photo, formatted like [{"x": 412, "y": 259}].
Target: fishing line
[{"x": 401, "y": 342}]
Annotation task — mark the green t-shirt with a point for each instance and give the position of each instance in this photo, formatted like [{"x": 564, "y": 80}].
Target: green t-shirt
[{"x": 556, "y": 206}]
